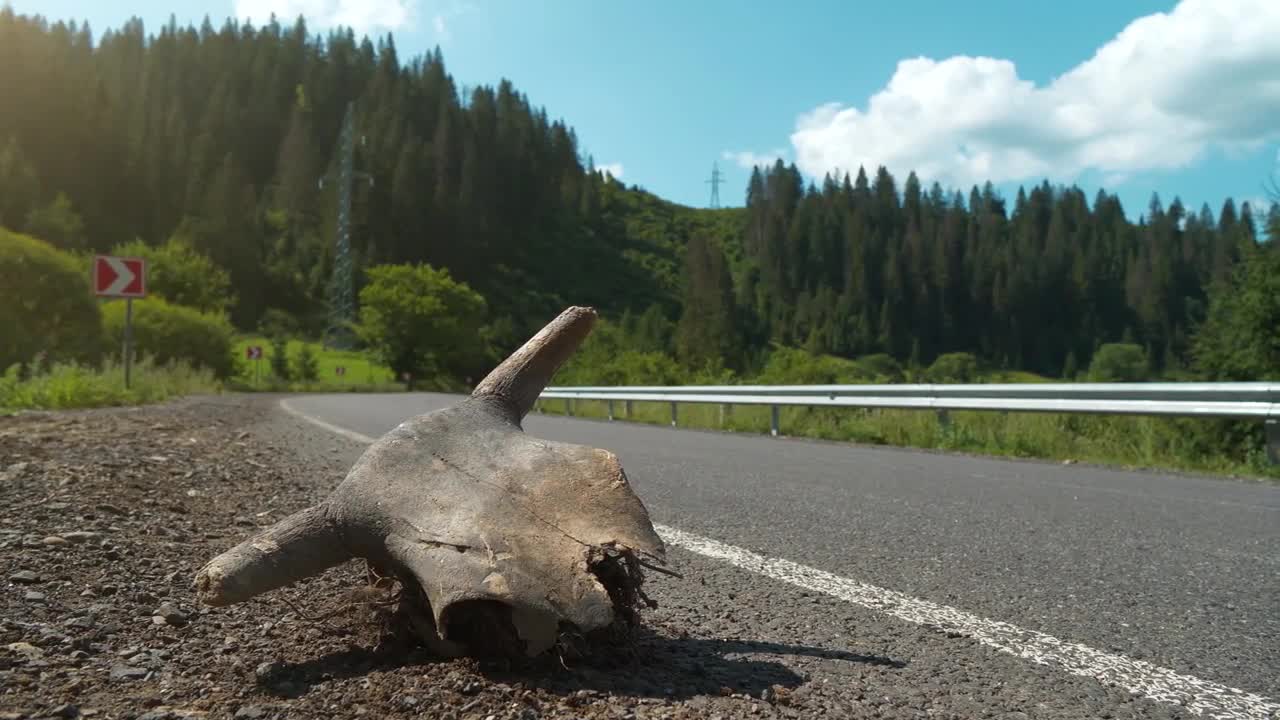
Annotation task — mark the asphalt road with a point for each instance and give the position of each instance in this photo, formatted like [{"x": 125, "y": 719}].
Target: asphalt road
[{"x": 1033, "y": 578}]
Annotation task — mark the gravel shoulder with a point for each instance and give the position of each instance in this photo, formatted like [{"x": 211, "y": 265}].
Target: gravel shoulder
[{"x": 106, "y": 516}]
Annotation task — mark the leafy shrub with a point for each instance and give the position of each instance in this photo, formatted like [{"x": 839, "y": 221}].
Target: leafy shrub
[
  {"x": 177, "y": 272},
  {"x": 882, "y": 368},
  {"x": 418, "y": 319},
  {"x": 280, "y": 359},
  {"x": 792, "y": 366},
  {"x": 278, "y": 323},
  {"x": 46, "y": 304},
  {"x": 307, "y": 367},
  {"x": 1119, "y": 362},
  {"x": 957, "y": 367},
  {"x": 173, "y": 332},
  {"x": 607, "y": 358}
]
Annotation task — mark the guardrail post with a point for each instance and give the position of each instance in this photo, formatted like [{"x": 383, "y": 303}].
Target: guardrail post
[
  {"x": 568, "y": 406},
  {"x": 610, "y": 411},
  {"x": 773, "y": 420},
  {"x": 726, "y": 412},
  {"x": 626, "y": 409},
  {"x": 944, "y": 419},
  {"x": 673, "y": 414},
  {"x": 1273, "y": 440}
]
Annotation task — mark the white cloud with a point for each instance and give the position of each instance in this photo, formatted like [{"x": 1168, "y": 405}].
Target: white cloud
[
  {"x": 1156, "y": 97},
  {"x": 747, "y": 159},
  {"x": 614, "y": 169},
  {"x": 362, "y": 16},
  {"x": 441, "y": 20}
]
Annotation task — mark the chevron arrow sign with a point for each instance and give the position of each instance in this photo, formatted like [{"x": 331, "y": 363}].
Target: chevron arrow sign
[{"x": 119, "y": 277}]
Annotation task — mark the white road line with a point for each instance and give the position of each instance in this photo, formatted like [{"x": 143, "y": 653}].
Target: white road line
[
  {"x": 349, "y": 434},
  {"x": 1141, "y": 678}
]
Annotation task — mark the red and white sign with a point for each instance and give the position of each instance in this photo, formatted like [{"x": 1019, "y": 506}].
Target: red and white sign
[
  {"x": 119, "y": 276},
  {"x": 253, "y": 352}
]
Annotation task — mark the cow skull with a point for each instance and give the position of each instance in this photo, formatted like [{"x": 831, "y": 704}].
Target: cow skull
[{"x": 502, "y": 540}]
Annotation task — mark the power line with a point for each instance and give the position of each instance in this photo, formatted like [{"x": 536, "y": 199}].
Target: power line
[{"x": 716, "y": 179}]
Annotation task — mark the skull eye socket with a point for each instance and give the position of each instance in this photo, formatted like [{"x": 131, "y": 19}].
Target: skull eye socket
[{"x": 484, "y": 627}]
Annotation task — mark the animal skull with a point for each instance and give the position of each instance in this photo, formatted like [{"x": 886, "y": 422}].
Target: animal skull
[{"x": 507, "y": 540}]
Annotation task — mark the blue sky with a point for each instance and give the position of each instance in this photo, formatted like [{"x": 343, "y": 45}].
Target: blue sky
[{"x": 1181, "y": 98}]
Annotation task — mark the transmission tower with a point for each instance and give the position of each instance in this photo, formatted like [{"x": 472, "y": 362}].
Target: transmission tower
[
  {"x": 716, "y": 179},
  {"x": 341, "y": 290}
]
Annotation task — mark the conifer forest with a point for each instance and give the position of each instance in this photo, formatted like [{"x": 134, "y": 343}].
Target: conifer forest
[{"x": 220, "y": 135}]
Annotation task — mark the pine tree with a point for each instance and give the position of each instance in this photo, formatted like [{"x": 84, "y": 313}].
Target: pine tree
[
  {"x": 19, "y": 186},
  {"x": 707, "y": 331}
]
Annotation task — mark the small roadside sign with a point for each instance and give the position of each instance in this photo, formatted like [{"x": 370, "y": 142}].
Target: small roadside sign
[
  {"x": 254, "y": 353},
  {"x": 121, "y": 277}
]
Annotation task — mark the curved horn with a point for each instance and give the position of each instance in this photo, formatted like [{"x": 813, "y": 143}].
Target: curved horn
[
  {"x": 522, "y": 377},
  {"x": 299, "y": 546}
]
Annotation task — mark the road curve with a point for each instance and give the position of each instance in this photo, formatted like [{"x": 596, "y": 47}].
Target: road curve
[{"x": 1176, "y": 576}]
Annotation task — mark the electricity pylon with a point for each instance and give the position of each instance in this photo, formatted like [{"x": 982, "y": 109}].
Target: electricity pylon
[{"x": 341, "y": 291}]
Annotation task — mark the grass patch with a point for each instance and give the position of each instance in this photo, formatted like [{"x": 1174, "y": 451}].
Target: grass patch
[
  {"x": 1131, "y": 442},
  {"x": 68, "y": 385},
  {"x": 1016, "y": 376},
  {"x": 363, "y": 374}
]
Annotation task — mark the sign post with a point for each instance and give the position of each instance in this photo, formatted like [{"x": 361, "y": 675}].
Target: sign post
[{"x": 121, "y": 277}]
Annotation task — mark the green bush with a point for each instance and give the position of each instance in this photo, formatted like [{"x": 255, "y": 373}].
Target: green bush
[
  {"x": 172, "y": 332},
  {"x": 307, "y": 367},
  {"x": 418, "y": 319},
  {"x": 1119, "y": 362},
  {"x": 957, "y": 367},
  {"x": 46, "y": 304},
  {"x": 882, "y": 368},
  {"x": 179, "y": 273},
  {"x": 278, "y": 323},
  {"x": 607, "y": 358},
  {"x": 792, "y": 366},
  {"x": 280, "y": 359}
]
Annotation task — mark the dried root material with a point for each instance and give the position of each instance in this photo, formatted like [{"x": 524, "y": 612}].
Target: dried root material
[{"x": 619, "y": 570}]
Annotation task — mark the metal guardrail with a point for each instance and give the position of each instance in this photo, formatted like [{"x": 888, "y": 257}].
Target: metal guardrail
[{"x": 1248, "y": 400}]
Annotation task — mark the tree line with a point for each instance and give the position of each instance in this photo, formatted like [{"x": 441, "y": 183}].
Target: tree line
[{"x": 859, "y": 266}]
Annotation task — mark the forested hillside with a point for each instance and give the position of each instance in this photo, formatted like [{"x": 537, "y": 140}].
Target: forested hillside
[
  {"x": 219, "y": 136},
  {"x": 1038, "y": 284}
]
